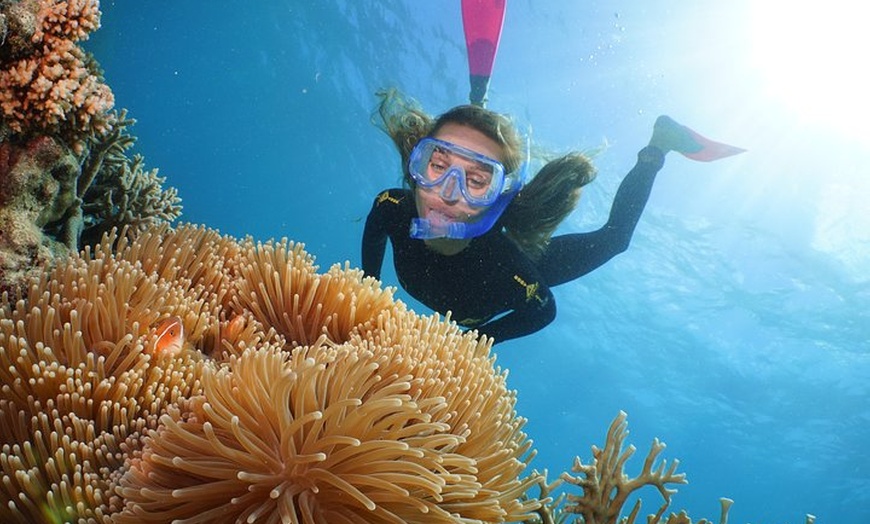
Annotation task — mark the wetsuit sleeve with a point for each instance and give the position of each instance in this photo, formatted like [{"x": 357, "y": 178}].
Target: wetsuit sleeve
[
  {"x": 526, "y": 318},
  {"x": 374, "y": 241}
]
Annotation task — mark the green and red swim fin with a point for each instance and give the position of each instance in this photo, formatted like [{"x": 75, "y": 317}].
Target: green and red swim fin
[
  {"x": 709, "y": 150},
  {"x": 670, "y": 135},
  {"x": 482, "y": 21}
]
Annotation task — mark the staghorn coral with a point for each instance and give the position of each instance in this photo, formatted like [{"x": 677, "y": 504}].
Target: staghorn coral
[
  {"x": 117, "y": 191},
  {"x": 606, "y": 487},
  {"x": 48, "y": 84},
  {"x": 378, "y": 416}
]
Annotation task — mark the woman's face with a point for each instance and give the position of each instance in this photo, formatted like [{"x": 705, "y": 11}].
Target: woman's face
[{"x": 430, "y": 203}]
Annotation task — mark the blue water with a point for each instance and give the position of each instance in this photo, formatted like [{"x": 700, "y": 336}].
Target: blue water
[{"x": 736, "y": 326}]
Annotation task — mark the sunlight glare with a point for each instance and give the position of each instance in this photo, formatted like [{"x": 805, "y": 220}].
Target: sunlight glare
[{"x": 812, "y": 59}]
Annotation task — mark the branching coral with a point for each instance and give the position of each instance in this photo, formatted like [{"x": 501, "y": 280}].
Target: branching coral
[
  {"x": 116, "y": 190},
  {"x": 374, "y": 414},
  {"x": 606, "y": 487},
  {"x": 48, "y": 84}
]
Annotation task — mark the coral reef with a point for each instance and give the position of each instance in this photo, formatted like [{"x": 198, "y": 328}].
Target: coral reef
[
  {"x": 295, "y": 396},
  {"x": 65, "y": 177},
  {"x": 298, "y": 396},
  {"x": 50, "y": 204}
]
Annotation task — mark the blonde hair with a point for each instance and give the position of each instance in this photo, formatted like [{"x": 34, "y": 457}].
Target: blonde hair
[{"x": 536, "y": 212}]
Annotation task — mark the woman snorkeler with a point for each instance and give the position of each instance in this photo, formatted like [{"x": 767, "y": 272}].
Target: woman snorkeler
[{"x": 471, "y": 236}]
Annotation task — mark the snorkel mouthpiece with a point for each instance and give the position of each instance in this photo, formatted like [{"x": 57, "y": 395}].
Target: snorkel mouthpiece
[{"x": 425, "y": 229}]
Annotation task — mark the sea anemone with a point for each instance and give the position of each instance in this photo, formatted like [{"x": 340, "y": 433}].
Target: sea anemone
[{"x": 298, "y": 396}]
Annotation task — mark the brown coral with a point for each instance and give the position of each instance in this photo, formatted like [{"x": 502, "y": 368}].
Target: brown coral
[
  {"x": 37, "y": 189},
  {"x": 605, "y": 487},
  {"x": 374, "y": 415}
]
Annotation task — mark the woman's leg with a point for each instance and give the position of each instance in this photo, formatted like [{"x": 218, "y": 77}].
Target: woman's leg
[{"x": 573, "y": 255}]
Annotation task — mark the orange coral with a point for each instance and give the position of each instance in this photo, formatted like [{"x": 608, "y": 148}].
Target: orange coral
[
  {"x": 71, "y": 20},
  {"x": 51, "y": 83}
]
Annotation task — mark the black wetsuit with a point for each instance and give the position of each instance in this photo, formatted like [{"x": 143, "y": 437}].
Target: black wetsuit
[{"x": 492, "y": 276}]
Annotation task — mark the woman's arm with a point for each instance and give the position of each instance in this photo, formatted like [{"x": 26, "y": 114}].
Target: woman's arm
[
  {"x": 374, "y": 243},
  {"x": 374, "y": 240},
  {"x": 527, "y": 318}
]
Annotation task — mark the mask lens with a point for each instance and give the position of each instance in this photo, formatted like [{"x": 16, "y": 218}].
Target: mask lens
[
  {"x": 438, "y": 164},
  {"x": 478, "y": 180}
]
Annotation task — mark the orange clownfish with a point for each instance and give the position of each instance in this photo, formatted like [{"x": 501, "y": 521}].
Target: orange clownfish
[
  {"x": 170, "y": 336},
  {"x": 234, "y": 328}
]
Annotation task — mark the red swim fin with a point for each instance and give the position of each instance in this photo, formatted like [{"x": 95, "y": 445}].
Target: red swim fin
[
  {"x": 482, "y": 21},
  {"x": 710, "y": 149}
]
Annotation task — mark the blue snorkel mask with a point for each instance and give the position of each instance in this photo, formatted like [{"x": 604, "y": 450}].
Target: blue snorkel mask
[{"x": 459, "y": 172}]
